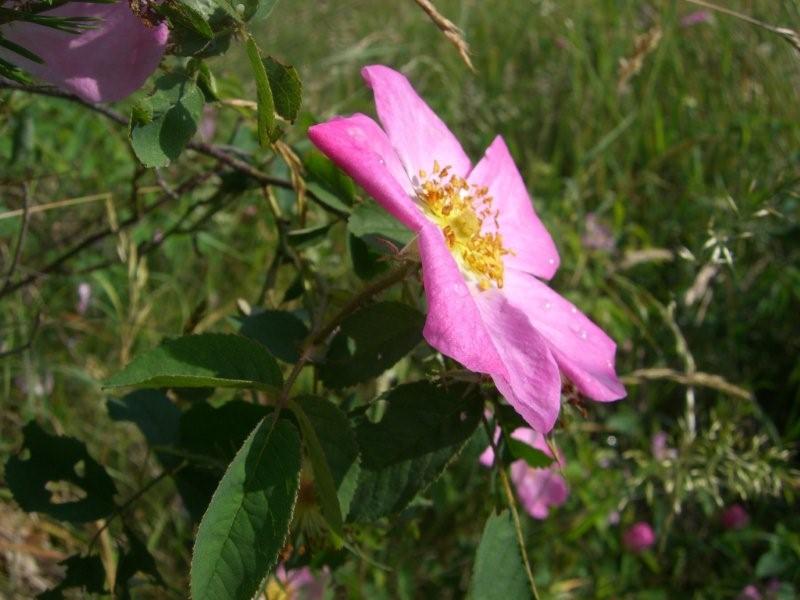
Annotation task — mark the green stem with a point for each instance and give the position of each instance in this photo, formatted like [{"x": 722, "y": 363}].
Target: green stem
[{"x": 512, "y": 504}]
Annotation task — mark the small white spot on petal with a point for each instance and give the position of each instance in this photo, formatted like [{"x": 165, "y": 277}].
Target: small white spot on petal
[
  {"x": 547, "y": 305},
  {"x": 573, "y": 310},
  {"x": 551, "y": 261}
]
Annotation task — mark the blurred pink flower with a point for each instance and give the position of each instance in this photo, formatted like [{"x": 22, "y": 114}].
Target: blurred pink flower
[
  {"x": 734, "y": 517},
  {"x": 659, "y": 447},
  {"x": 597, "y": 235},
  {"x": 639, "y": 537},
  {"x": 483, "y": 252},
  {"x": 537, "y": 489},
  {"x": 106, "y": 63},
  {"x": 696, "y": 18},
  {"x": 750, "y": 592},
  {"x": 297, "y": 584}
]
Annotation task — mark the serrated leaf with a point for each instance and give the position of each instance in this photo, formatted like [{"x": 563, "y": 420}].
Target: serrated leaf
[
  {"x": 266, "y": 106},
  {"x": 280, "y": 331},
  {"x": 205, "y": 360},
  {"x": 184, "y": 15},
  {"x": 287, "y": 90},
  {"x": 55, "y": 459},
  {"x": 370, "y": 341},
  {"x": 177, "y": 106},
  {"x": 324, "y": 484},
  {"x": 424, "y": 427},
  {"x": 248, "y": 518},
  {"x": 338, "y": 441},
  {"x": 209, "y": 438},
  {"x": 499, "y": 573}
]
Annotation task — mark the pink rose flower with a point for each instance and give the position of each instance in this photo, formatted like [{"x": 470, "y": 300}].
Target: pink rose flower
[
  {"x": 734, "y": 517},
  {"x": 660, "y": 448},
  {"x": 639, "y": 537},
  {"x": 297, "y": 584},
  {"x": 102, "y": 64},
  {"x": 537, "y": 489},
  {"x": 750, "y": 592},
  {"x": 696, "y": 18},
  {"x": 483, "y": 250}
]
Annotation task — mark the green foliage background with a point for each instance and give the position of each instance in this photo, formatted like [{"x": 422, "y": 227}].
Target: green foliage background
[{"x": 693, "y": 167}]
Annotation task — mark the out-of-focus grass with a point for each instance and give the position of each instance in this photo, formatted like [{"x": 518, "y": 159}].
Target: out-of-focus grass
[{"x": 698, "y": 158}]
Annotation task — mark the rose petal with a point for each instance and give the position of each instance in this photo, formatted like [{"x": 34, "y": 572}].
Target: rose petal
[
  {"x": 583, "y": 351},
  {"x": 453, "y": 326},
  {"x": 103, "y": 64},
  {"x": 418, "y": 135},
  {"x": 538, "y": 489},
  {"x": 360, "y": 148},
  {"x": 523, "y": 233},
  {"x": 531, "y": 382}
]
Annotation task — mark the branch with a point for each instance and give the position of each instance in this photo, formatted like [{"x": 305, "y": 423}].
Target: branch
[
  {"x": 20, "y": 240},
  {"x": 209, "y": 150}
]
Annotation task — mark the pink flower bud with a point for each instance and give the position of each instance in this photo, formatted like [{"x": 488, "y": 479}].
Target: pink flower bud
[
  {"x": 639, "y": 537},
  {"x": 735, "y": 517}
]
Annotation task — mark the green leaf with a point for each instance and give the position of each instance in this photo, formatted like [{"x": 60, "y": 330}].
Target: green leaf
[
  {"x": 184, "y": 15},
  {"x": 323, "y": 479},
  {"x": 154, "y": 414},
  {"x": 338, "y": 442},
  {"x": 286, "y": 88},
  {"x": 266, "y": 106},
  {"x": 499, "y": 573},
  {"x": 302, "y": 238},
  {"x": 533, "y": 456},
  {"x": 247, "y": 521},
  {"x": 176, "y": 108},
  {"x": 17, "y": 49},
  {"x": 63, "y": 461},
  {"x": 258, "y": 9},
  {"x": 369, "y": 220},
  {"x": 280, "y": 331},
  {"x": 209, "y": 438},
  {"x": 321, "y": 170},
  {"x": 370, "y": 341},
  {"x": 84, "y": 572},
  {"x": 204, "y": 360},
  {"x": 424, "y": 427},
  {"x": 368, "y": 263},
  {"x": 328, "y": 200}
]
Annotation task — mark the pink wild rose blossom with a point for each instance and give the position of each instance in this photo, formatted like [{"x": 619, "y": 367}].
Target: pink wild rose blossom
[
  {"x": 639, "y": 537},
  {"x": 735, "y": 517},
  {"x": 538, "y": 489},
  {"x": 297, "y": 584},
  {"x": 484, "y": 251},
  {"x": 106, "y": 63}
]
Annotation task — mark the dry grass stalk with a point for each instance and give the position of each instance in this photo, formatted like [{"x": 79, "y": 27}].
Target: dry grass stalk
[
  {"x": 697, "y": 378},
  {"x": 643, "y": 45},
  {"x": 449, "y": 29}
]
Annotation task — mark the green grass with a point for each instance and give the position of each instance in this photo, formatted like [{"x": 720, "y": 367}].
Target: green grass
[{"x": 698, "y": 158}]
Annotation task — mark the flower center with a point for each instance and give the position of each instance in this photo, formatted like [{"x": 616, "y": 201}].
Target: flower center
[{"x": 460, "y": 211}]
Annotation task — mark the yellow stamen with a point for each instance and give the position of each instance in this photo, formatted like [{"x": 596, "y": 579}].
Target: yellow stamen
[{"x": 449, "y": 202}]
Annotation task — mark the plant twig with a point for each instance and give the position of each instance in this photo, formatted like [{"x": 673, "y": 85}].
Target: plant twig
[{"x": 23, "y": 230}]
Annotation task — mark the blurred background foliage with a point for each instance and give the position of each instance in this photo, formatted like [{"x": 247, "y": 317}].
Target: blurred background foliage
[{"x": 662, "y": 149}]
